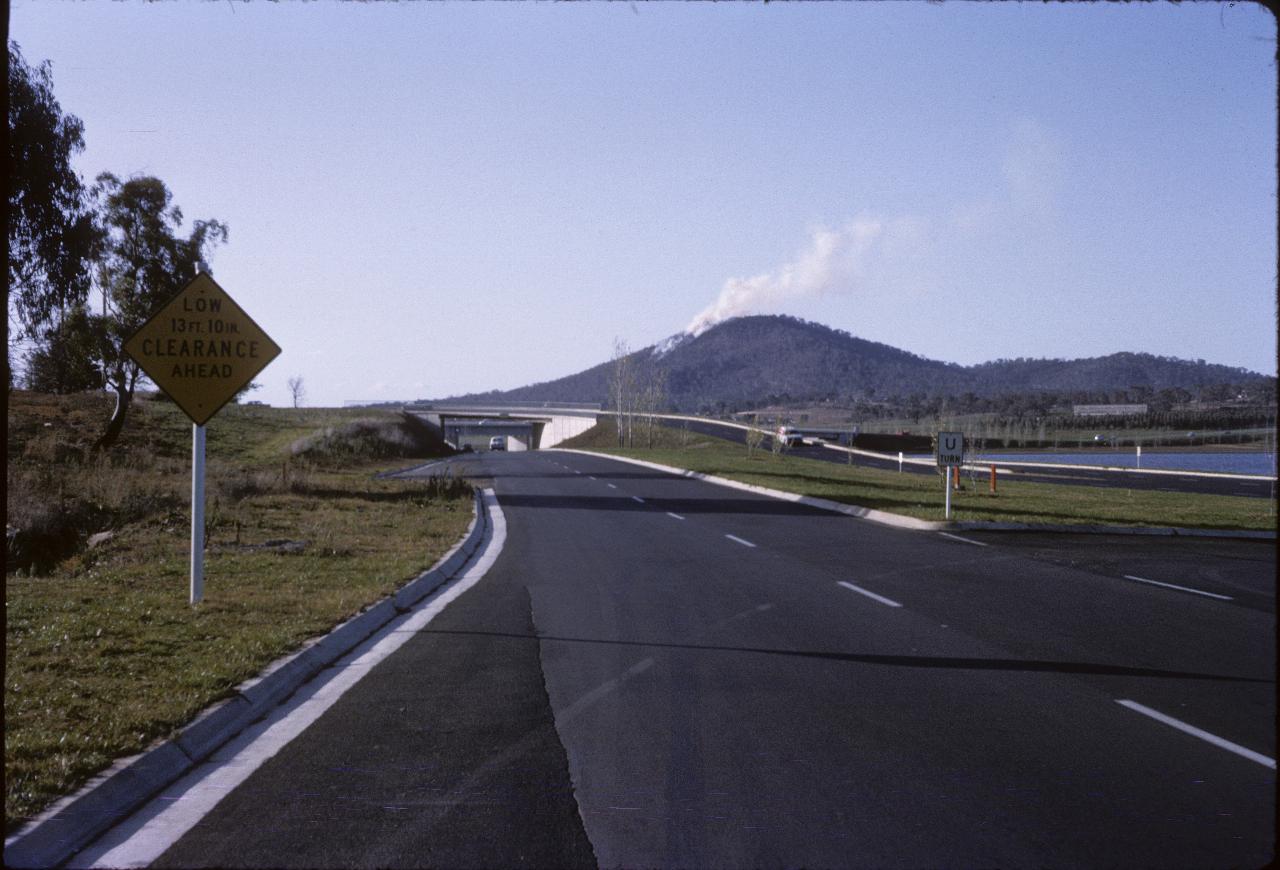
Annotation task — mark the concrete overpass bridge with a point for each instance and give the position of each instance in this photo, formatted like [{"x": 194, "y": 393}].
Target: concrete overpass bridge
[{"x": 525, "y": 427}]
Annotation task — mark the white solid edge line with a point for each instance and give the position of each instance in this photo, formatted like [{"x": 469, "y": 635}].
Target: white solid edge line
[
  {"x": 1179, "y": 588},
  {"x": 674, "y": 516},
  {"x": 1196, "y": 732},
  {"x": 141, "y": 839},
  {"x": 637, "y": 498},
  {"x": 740, "y": 540},
  {"x": 958, "y": 538},
  {"x": 872, "y": 595}
]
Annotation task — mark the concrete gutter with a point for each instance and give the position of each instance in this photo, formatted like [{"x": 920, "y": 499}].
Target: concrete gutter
[
  {"x": 75, "y": 821},
  {"x": 905, "y": 522}
]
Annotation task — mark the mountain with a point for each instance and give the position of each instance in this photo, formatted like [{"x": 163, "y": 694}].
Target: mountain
[{"x": 749, "y": 360}]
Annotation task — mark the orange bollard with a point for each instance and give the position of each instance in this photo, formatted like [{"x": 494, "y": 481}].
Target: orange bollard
[
  {"x": 955, "y": 477},
  {"x": 993, "y": 478}
]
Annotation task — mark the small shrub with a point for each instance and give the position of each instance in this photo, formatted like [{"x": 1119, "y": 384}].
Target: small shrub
[
  {"x": 446, "y": 486},
  {"x": 52, "y": 447},
  {"x": 42, "y": 527},
  {"x": 358, "y": 440}
]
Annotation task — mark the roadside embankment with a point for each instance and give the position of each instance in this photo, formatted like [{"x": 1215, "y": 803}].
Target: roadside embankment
[{"x": 103, "y": 653}]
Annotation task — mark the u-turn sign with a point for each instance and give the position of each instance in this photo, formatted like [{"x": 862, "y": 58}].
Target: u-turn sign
[{"x": 950, "y": 448}]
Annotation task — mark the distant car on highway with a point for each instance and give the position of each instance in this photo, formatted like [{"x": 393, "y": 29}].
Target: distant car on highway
[
  {"x": 789, "y": 437},
  {"x": 498, "y": 442}
]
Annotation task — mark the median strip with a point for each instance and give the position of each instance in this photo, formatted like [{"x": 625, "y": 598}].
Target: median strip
[
  {"x": 1258, "y": 757},
  {"x": 1076, "y": 509},
  {"x": 1179, "y": 588}
]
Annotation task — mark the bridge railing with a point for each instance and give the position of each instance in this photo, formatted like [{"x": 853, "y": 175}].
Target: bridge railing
[{"x": 474, "y": 407}]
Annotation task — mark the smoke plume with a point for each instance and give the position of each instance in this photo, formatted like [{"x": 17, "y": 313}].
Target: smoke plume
[{"x": 830, "y": 263}]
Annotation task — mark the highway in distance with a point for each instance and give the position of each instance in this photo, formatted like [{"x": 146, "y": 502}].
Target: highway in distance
[
  {"x": 1082, "y": 476},
  {"x": 660, "y": 672}
]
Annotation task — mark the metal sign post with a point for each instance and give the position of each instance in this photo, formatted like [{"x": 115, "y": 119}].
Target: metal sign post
[
  {"x": 950, "y": 455},
  {"x": 197, "y": 513}
]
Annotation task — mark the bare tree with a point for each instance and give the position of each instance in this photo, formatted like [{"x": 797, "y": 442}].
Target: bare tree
[
  {"x": 297, "y": 390},
  {"x": 755, "y": 435},
  {"x": 652, "y": 399},
  {"x": 622, "y": 389}
]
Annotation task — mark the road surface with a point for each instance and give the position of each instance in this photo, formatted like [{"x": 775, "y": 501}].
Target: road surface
[{"x": 659, "y": 672}]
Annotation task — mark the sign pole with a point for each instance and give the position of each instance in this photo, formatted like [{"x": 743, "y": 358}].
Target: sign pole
[
  {"x": 950, "y": 456},
  {"x": 197, "y": 513}
]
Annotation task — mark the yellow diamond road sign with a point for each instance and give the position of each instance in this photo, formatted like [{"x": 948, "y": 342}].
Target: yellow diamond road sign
[{"x": 201, "y": 348}]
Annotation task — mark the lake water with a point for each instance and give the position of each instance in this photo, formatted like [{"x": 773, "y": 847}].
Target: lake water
[{"x": 1236, "y": 463}]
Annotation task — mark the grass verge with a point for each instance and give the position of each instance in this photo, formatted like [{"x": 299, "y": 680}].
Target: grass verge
[
  {"x": 921, "y": 496},
  {"x": 102, "y": 653}
]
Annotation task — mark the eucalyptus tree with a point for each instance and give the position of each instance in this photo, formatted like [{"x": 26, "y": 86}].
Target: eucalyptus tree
[
  {"x": 52, "y": 236},
  {"x": 143, "y": 264},
  {"x": 65, "y": 360}
]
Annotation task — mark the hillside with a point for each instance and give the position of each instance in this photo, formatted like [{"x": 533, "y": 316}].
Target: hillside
[{"x": 784, "y": 359}]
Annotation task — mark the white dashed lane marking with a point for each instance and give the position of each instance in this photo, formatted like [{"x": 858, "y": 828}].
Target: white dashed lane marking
[
  {"x": 1179, "y": 588},
  {"x": 1264, "y": 760},
  {"x": 887, "y": 601}
]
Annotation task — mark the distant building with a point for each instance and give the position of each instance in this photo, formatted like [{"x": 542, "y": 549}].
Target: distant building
[{"x": 1108, "y": 410}]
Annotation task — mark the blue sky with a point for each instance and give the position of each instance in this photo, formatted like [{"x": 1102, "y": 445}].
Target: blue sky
[{"x": 433, "y": 198}]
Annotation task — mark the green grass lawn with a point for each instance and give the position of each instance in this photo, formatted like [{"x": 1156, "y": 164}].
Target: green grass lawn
[
  {"x": 103, "y": 654},
  {"x": 922, "y": 496}
]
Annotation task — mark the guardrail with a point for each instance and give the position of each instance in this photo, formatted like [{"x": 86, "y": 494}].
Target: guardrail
[
  {"x": 540, "y": 407},
  {"x": 978, "y": 464}
]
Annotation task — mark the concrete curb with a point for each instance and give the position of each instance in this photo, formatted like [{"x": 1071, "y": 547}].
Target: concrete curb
[
  {"x": 76, "y": 820},
  {"x": 903, "y": 522},
  {"x": 875, "y": 516},
  {"x": 1086, "y": 529},
  {"x": 396, "y": 472}
]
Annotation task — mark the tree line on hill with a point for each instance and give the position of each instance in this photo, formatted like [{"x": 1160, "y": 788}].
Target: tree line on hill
[
  {"x": 87, "y": 263},
  {"x": 772, "y": 361}
]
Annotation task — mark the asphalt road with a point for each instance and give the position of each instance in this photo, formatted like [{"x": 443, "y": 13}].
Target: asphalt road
[
  {"x": 660, "y": 672},
  {"x": 1070, "y": 476}
]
